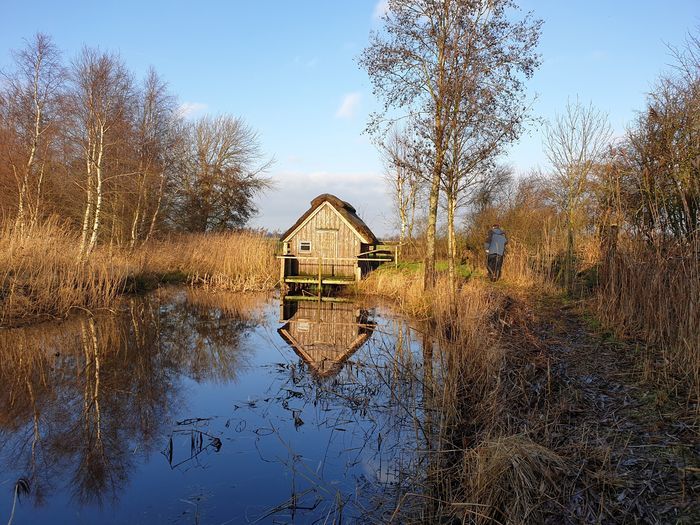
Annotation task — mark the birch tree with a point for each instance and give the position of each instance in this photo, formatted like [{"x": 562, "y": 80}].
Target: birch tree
[
  {"x": 156, "y": 123},
  {"x": 433, "y": 59},
  {"x": 404, "y": 178},
  {"x": 29, "y": 111},
  {"x": 101, "y": 98}
]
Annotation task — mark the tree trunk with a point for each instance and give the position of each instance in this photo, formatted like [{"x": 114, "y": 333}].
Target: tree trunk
[
  {"x": 569, "y": 262},
  {"x": 451, "y": 240},
  {"x": 152, "y": 226},
  {"x": 88, "y": 206},
  {"x": 433, "y": 201},
  {"x": 98, "y": 193},
  {"x": 429, "y": 269}
]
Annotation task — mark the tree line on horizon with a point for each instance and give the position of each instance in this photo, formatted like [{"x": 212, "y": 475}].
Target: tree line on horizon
[{"x": 115, "y": 157}]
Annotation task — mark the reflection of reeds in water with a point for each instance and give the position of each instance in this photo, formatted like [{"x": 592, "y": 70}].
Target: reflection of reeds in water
[
  {"x": 235, "y": 305},
  {"x": 373, "y": 408}
]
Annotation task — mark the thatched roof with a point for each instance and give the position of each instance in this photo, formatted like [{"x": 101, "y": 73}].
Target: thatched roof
[{"x": 342, "y": 207}]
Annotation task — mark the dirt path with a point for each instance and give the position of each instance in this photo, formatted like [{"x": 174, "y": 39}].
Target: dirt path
[{"x": 634, "y": 456}]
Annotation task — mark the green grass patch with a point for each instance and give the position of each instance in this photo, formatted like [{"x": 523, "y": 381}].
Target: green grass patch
[{"x": 462, "y": 270}]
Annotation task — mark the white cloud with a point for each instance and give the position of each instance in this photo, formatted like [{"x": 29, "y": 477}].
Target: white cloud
[
  {"x": 380, "y": 9},
  {"x": 191, "y": 109},
  {"x": 349, "y": 105}
]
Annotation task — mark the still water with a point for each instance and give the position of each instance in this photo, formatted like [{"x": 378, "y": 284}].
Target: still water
[{"x": 191, "y": 407}]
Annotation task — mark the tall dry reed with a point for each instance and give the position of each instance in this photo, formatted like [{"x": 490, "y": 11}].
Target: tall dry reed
[
  {"x": 484, "y": 468},
  {"x": 403, "y": 286},
  {"x": 542, "y": 265},
  {"x": 236, "y": 261},
  {"x": 41, "y": 273},
  {"x": 654, "y": 295}
]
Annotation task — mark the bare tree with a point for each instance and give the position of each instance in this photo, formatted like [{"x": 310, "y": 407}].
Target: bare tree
[
  {"x": 575, "y": 144},
  {"x": 436, "y": 59},
  {"x": 156, "y": 122},
  {"x": 659, "y": 159},
  {"x": 404, "y": 178},
  {"x": 222, "y": 171},
  {"x": 28, "y": 110},
  {"x": 101, "y": 105}
]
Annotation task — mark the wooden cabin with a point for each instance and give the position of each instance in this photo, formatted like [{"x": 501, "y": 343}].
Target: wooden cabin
[
  {"x": 324, "y": 334},
  {"x": 329, "y": 244}
]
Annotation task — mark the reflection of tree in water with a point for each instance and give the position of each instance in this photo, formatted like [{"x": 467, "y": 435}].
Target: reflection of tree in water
[
  {"x": 203, "y": 331},
  {"x": 89, "y": 396}
]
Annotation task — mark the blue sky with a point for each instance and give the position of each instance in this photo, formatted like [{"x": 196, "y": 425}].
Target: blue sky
[{"x": 289, "y": 69}]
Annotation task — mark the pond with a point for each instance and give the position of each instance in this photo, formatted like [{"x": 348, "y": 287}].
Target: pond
[{"x": 192, "y": 407}]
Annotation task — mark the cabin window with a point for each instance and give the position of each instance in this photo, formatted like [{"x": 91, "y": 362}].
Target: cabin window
[{"x": 304, "y": 246}]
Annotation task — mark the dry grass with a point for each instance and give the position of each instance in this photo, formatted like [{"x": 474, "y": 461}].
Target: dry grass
[
  {"x": 235, "y": 261},
  {"x": 655, "y": 297},
  {"x": 517, "y": 439},
  {"x": 403, "y": 286},
  {"x": 509, "y": 478},
  {"x": 42, "y": 274},
  {"x": 486, "y": 469}
]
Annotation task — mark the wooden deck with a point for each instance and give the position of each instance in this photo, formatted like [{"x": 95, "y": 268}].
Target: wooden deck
[
  {"x": 314, "y": 279},
  {"x": 331, "y": 271}
]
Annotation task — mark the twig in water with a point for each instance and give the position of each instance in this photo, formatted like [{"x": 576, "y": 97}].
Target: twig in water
[{"x": 21, "y": 487}]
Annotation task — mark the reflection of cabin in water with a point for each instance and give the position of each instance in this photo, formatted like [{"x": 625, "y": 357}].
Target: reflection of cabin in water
[
  {"x": 329, "y": 244},
  {"x": 324, "y": 334}
]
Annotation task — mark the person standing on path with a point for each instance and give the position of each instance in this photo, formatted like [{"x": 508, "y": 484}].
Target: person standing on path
[{"x": 495, "y": 246}]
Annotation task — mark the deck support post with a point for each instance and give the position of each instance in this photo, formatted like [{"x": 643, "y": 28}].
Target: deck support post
[
  {"x": 283, "y": 273},
  {"x": 320, "y": 283}
]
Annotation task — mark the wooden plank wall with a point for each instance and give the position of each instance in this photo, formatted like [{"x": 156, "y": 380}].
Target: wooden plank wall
[{"x": 323, "y": 226}]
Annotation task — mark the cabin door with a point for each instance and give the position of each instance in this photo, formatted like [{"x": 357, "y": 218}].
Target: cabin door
[{"x": 328, "y": 250}]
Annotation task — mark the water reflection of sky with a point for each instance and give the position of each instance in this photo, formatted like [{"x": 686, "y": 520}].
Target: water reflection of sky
[{"x": 190, "y": 408}]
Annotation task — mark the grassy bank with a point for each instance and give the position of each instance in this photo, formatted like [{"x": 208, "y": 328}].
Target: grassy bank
[
  {"x": 487, "y": 467},
  {"x": 42, "y": 273},
  {"x": 540, "y": 417}
]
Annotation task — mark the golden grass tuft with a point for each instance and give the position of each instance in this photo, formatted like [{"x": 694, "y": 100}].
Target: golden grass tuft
[{"x": 509, "y": 478}]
